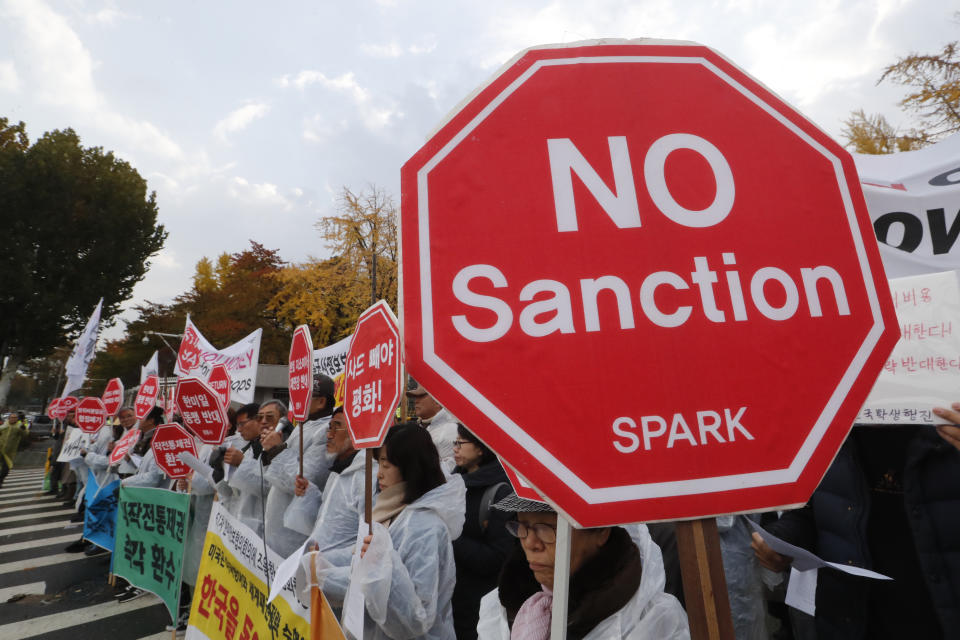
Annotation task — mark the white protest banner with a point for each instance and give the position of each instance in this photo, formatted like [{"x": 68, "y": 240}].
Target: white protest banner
[
  {"x": 230, "y": 599},
  {"x": 152, "y": 368},
  {"x": 73, "y": 441},
  {"x": 914, "y": 201},
  {"x": 331, "y": 361},
  {"x": 923, "y": 371},
  {"x": 197, "y": 358},
  {"x": 82, "y": 355}
]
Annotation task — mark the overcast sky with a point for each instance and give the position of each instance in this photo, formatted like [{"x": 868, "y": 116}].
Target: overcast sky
[{"x": 247, "y": 118}]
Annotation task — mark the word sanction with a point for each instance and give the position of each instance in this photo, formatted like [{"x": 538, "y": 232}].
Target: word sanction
[{"x": 706, "y": 281}]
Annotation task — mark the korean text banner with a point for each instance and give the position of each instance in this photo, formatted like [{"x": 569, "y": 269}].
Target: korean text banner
[
  {"x": 197, "y": 357},
  {"x": 923, "y": 371},
  {"x": 914, "y": 202},
  {"x": 229, "y": 600},
  {"x": 151, "y": 530},
  {"x": 331, "y": 361},
  {"x": 100, "y": 514}
]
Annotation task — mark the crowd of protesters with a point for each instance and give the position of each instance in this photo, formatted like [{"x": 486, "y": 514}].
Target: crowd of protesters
[{"x": 455, "y": 553}]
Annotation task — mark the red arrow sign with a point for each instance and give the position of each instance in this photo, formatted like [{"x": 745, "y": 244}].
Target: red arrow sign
[
  {"x": 113, "y": 396},
  {"x": 300, "y": 373},
  {"x": 146, "y": 397},
  {"x": 168, "y": 443},
  {"x": 91, "y": 414},
  {"x": 200, "y": 408},
  {"x": 372, "y": 382},
  {"x": 650, "y": 223},
  {"x": 124, "y": 444},
  {"x": 219, "y": 381}
]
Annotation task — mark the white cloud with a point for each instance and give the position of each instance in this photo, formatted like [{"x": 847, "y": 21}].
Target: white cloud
[
  {"x": 9, "y": 80},
  {"x": 264, "y": 193},
  {"x": 166, "y": 259},
  {"x": 374, "y": 117},
  {"x": 62, "y": 68},
  {"x": 107, "y": 16},
  {"x": 393, "y": 49},
  {"x": 240, "y": 119}
]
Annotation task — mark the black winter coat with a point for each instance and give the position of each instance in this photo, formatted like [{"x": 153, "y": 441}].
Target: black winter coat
[
  {"x": 480, "y": 551},
  {"x": 834, "y": 526}
]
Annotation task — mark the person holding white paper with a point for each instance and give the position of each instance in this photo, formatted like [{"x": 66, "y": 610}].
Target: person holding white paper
[{"x": 890, "y": 502}]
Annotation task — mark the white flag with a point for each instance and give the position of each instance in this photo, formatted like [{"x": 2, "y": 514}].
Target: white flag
[
  {"x": 197, "y": 358},
  {"x": 83, "y": 352},
  {"x": 152, "y": 368}
]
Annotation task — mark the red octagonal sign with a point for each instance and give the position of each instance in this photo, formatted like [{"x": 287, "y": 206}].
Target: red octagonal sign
[
  {"x": 371, "y": 381},
  {"x": 113, "y": 396},
  {"x": 300, "y": 373},
  {"x": 219, "y": 380},
  {"x": 168, "y": 443},
  {"x": 644, "y": 280},
  {"x": 201, "y": 410},
  {"x": 91, "y": 414}
]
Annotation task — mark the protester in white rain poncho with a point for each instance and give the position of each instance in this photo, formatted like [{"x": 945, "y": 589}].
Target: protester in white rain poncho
[
  {"x": 284, "y": 467},
  {"x": 247, "y": 482},
  {"x": 96, "y": 457},
  {"x": 335, "y": 530},
  {"x": 149, "y": 473},
  {"x": 439, "y": 423},
  {"x": 248, "y": 423},
  {"x": 616, "y": 583},
  {"x": 407, "y": 568}
]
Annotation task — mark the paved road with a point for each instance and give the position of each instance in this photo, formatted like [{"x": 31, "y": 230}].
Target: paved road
[{"x": 46, "y": 594}]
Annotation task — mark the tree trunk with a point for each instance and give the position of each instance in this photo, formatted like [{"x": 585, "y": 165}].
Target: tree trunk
[{"x": 6, "y": 378}]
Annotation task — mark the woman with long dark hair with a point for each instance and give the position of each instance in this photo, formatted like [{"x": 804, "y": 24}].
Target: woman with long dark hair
[{"x": 407, "y": 564}]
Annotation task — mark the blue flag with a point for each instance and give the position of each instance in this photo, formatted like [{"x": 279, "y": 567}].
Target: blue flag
[{"x": 100, "y": 515}]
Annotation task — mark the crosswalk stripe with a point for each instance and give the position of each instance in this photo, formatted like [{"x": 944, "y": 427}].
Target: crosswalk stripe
[
  {"x": 44, "y": 526},
  {"x": 24, "y": 629},
  {"x": 48, "y": 514},
  {"x": 43, "y": 561},
  {"x": 20, "y": 484},
  {"x": 26, "y": 506},
  {"x": 15, "y": 502},
  {"x": 34, "y": 588},
  {"x": 42, "y": 542}
]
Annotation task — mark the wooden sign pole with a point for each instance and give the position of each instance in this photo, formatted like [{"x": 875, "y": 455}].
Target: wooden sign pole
[
  {"x": 300, "y": 425},
  {"x": 704, "y": 583}
]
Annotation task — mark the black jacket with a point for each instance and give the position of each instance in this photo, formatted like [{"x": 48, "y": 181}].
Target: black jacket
[
  {"x": 834, "y": 526},
  {"x": 480, "y": 551}
]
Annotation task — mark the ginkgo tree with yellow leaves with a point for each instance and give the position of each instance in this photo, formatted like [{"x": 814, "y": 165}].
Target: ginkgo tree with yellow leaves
[
  {"x": 329, "y": 294},
  {"x": 934, "y": 100}
]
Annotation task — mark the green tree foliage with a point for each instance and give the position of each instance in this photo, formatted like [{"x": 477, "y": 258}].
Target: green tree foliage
[
  {"x": 78, "y": 224},
  {"x": 229, "y": 299}
]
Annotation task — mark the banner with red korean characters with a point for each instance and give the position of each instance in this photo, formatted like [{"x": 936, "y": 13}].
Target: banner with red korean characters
[{"x": 923, "y": 371}]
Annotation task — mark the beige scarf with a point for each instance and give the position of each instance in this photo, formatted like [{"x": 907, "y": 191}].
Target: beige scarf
[{"x": 389, "y": 504}]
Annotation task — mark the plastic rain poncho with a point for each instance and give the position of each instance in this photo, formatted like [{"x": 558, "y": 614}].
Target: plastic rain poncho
[
  {"x": 650, "y": 614},
  {"x": 229, "y": 498},
  {"x": 250, "y": 490},
  {"x": 335, "y": 531},
  {"x": 281, "y": 474},
  {"x": 98, "y": 456},
  {"x": 744, "y": 584},
  {"x": 408, "y": 572},
  {"x": 443, "y": 431},
  {"x": 149, "y": 474},
  {"x": 301, "y": 515},
  {"x": 201, "y": 504}
]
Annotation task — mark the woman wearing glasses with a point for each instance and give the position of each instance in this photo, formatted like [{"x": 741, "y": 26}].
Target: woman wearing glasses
[
  {"x": 616, "y": 583},
  {"x": 485, "y": 543}
]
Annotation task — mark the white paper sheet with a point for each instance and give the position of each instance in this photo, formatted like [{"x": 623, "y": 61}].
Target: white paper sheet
[
  {"x": 285, "y": 572},
  {"x": 802, "y": 590}
]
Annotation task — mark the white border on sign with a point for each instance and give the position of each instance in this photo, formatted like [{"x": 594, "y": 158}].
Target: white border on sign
[{"x": 600, "y": 495}]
